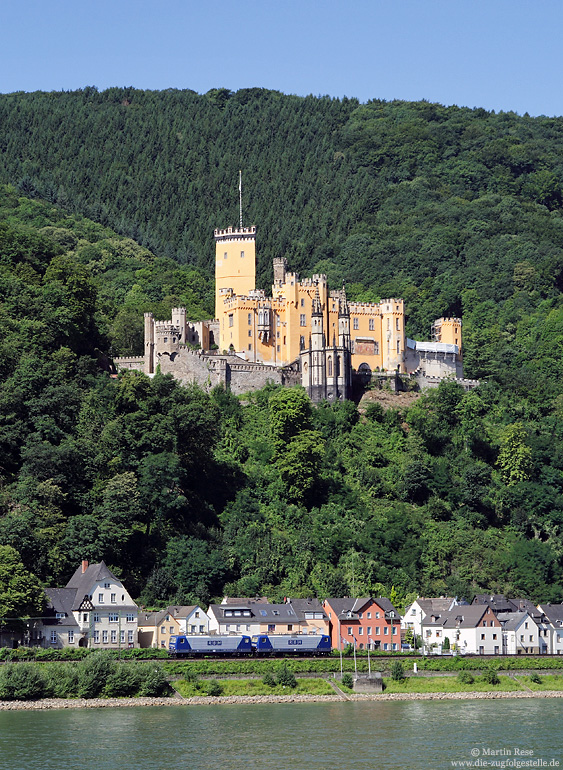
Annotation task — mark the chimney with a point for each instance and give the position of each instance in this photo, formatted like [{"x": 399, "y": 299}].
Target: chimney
[{"x": 84, "y": 565}]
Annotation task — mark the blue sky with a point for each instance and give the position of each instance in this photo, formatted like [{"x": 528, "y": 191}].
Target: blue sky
[{"x": 497, "y": 54}]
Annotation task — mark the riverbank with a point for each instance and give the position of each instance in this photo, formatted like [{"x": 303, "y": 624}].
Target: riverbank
[{"x": 96, "y": 703}]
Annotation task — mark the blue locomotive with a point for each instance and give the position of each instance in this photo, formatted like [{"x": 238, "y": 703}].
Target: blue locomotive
[
  {"x": 302, "y": 644},
  {"x": 263, "y": 644},
  {"x": 180, "y": 646}
]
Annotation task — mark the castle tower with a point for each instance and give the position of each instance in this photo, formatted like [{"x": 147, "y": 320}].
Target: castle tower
[
  {"x": 343, "y": 369},
  {"x": 393, "y": 334},
  {"x": 317, "y": 379},
  {"x": 280, "y": 270},
  {"x": 235, "y": 263},
  {"x": 149, "y": 343}
]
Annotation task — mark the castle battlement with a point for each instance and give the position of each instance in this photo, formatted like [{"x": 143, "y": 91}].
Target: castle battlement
[{"x": 235, "y": 234}]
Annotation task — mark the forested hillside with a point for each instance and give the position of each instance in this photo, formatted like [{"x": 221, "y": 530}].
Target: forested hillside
[{"x": 187, "y": 494}]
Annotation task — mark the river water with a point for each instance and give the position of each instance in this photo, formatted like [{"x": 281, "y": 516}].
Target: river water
[{"x": 317, "y": 736}]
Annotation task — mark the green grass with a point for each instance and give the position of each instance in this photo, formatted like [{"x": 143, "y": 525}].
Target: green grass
[
  {"x": 305, "y": 686},
  {"x": 549, "y": 682},
  {"x": 437, "y": 684}
]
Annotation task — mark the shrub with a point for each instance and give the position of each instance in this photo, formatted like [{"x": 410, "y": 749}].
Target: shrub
[
  {"x": 268, "y": 679},
  {"x": 123, "y": 681},
  {"x": 397, "y": 671},
  {"x": 490, "y": 676},
  {"x": 536, "y": 678},
  {"x": 94, "y": 672},
  {"x": 20, "y": 681},
  {"x": 213, "y": 687},
  {"x": 61, "y": 681},
  {"x": 464, "y": 677},
  {"x": 285, "y": 677},
  {"x": 347, "y": 680},
  {"x": 153, "y": 681}
]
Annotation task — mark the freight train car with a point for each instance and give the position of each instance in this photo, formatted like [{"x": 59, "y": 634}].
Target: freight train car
[
  {"x": 305, "y": 644},
  {"x": 183, "y": 646}
]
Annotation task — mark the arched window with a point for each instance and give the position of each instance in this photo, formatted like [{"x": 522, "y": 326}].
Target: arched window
[{"x": 330, "y": 366}]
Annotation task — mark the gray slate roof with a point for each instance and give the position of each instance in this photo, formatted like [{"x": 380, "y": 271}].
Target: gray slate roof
[
  {"x": 60, "y": 600},
  {"x": 554, "y": 613},
  {"x": 511, "y": 620},
  {"x": 345, "y": 605},
  {"x": 497, "y": 602},
  {"x": 437, "y": 604},
  {"x": 459, "y": 617}
]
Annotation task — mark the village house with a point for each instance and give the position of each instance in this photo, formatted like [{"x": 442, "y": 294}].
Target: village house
[
  {"x": 93, "y": 610},
  {"x": 470, "y": 629},
  {"x": 553, "y": 615},
  {"x": 421, "y": 608},
  {"x": 521, "y": 634},
  {"x": 366, "y": 623},
  {"x": 156, "y": 628}
]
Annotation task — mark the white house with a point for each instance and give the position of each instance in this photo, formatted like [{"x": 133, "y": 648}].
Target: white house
[
  {"x": 520, "y": 634},
  {"x": 92, "y": 610},
  {"x": 422, "y": 608},
  {"x": 470, "y": 629},
  {"x": 553, "y": 616},
  {"x": 156, "y": 628}
]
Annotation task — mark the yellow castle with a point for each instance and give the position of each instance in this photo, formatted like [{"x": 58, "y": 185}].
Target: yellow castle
[
  {"x": 303, "y": 332},
  {"x": 274, "y": 330}
]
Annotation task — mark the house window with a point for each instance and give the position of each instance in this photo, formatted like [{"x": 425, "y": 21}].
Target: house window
[
  {"x": 482, "y": 636},
  {"x": 377, "y": 615},
  {"x": 122, "y": 637},
  {"x": 71, "y": 636},
  {"x": 171, "y": 629},
  {"x": 250, "y": 332},
  {"x": 60, "y": 615},
  {"x": 107, "y": 585},
  {"x": 53, "y": 637},
  {"x": 289, "y": 627},
  {"x": 100, "y": 598},
  {"x": 376, "y": 348},
  {"x": 242, "y": 255},
  {"x": 196, "y": 614},
  {"x": 385, "y": 631},
  {"x": 130, "y": 637},
  {"x": 104, "y": 637},
  {"x": 250, "y": 319},
  {"x": 225, "y": 255},
  {"x": 130, "y": 617},
  {"x": 349, "y": 631},
  {"x": 494, "y": 636},
  {"x": 525, "y": 625},
  {"x": 301, "y": 341},
  {"x": 96, "y": 617},
  {"x": 302, "y": 320},
  {"x": 193, "y": 629},
  {"x": 360, "y": 631},
  {"x": 377, "y": 630},
  {"x": 96, "y": 637},
  {"x": 202, "y": 629},
  {"x": 302, "y": 302},
  {"x": 330, "y": 372},
  {"x": 271, "y": 628},
  {"x": 231, "y": 319},
  {"x": 112, "y": 598},
  {"x": 385, "y": 646},
  {"x": 278, "y": 348},
  {"x": 369, "y": 614},
  {"x": 163, "y": 630},
  {"x": 394, "y": 629},
  {"x": 369, "y": 631},
  {"x": 388, "y": 324},
  {"x": 85, "y": 617},
  {"x": 398, "y": 346},
  {"x": 114, "y": 637},
  {"x": 397, "y": 324},
  {"x": 356, "y": 323},
  {"x": 371, "y": 324},
  {"x": 113, "y": 617}
]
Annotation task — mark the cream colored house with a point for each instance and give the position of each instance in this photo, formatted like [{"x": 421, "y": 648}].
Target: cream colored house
[{"x": 93, "y": 610}]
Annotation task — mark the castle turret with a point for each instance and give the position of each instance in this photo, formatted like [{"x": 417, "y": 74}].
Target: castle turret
[{"x": 317, "y": 381}]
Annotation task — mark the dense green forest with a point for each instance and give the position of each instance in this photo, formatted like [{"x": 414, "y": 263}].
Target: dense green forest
[{"x": 187, "y": 494}]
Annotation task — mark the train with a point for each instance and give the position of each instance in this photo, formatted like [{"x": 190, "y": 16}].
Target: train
[{"x": 241, "y": 645}]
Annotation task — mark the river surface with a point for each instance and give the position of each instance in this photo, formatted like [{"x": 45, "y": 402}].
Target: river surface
[{"x": 314, "y": 736}]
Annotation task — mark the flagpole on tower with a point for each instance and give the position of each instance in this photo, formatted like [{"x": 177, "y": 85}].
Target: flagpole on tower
[{"x": 240, "y": 196}]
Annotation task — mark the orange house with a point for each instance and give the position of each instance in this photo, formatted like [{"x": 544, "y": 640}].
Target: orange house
[{"x": 368, "y": 623}]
